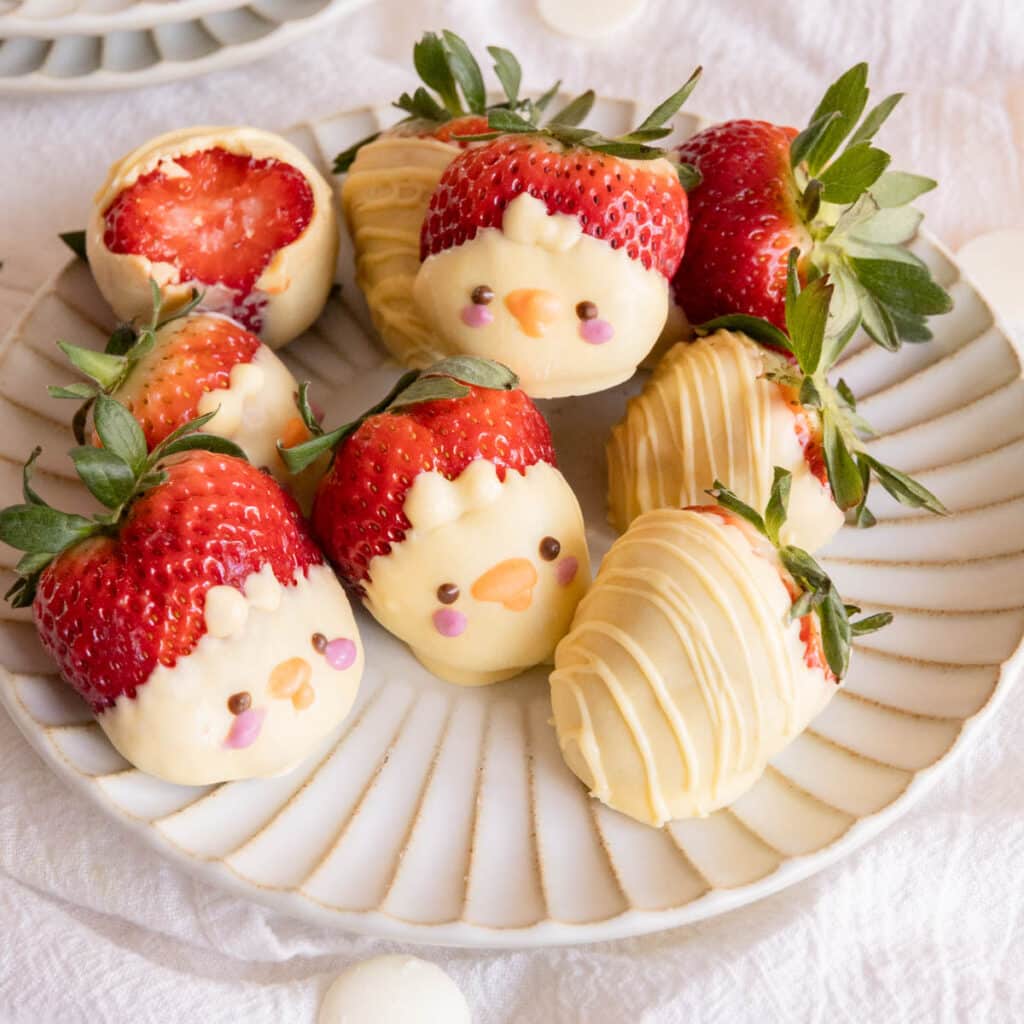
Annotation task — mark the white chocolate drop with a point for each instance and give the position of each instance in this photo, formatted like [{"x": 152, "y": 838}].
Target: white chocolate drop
[
  {"x": 994, "y": 262},
  {"x": 394, "y": 990},
  {"x": 589, "y": 19}
]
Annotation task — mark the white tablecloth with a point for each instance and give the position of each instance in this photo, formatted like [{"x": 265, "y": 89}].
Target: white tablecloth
[{"x": 925, "y": 924}]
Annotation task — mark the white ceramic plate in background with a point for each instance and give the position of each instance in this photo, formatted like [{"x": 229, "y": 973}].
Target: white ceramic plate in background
[
  {"x": 149, "y": 42},
  {"x": 445, "y": 815}
]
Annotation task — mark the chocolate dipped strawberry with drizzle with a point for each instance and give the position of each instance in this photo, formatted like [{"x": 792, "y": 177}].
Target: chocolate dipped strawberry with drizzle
[
  {"x": 195, "y": 614},
  {"x": 391, "y": 175},
  {"x": 746, "y": 397},
  {"x": 445, "y": 512},
  {"x": 550, "y": 249},
  {"x": 766, "y": 189},
  {"x": 237, "y": 213},
  {"x": 185, "y": 364}
]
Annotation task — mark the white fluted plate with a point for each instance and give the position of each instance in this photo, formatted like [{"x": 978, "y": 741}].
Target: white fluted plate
[
  {"x": 445, "y": 815},
  {"x": 98, "y": 45}
]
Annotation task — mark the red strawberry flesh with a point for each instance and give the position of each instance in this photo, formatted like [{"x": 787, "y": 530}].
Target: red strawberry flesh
[
  {"x": 220, "y": 222},
  {"x": 358, "y": 512},
  {"x": 627, "y": 204},
  {"x": 196, "y": 358},
  {"x": 743, "y": 222},
  {"x": 113, "y": 608}
]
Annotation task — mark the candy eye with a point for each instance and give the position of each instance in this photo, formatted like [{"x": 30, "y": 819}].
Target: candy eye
[
  {"x": 586, "y": 310},
  {"x": 550, "y": 549},
  {"x": 448, "y": 593},
  {"x": 239, "y": 702},
  {"x": 483, "y": 295}
]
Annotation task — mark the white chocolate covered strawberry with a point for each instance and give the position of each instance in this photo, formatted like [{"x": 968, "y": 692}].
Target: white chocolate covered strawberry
[
  {"x": 444, "y": 510},
  {"x": 550, "y": 249},
  {"x": 238, "y": 214},
  {"x": 742, "y": 399},
  {"x": 703, "y": 647}
]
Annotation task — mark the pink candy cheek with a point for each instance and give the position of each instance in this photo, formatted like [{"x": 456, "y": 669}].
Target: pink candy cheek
[
  {"x": 476, "y": 315},
  {"x": 596, "y": 332},
  {"x": 449, "y": 622},
  {"x": 340, "y": 653},
  {"x": 245, "y": 729},
  {"x": 565, "y": 571}
]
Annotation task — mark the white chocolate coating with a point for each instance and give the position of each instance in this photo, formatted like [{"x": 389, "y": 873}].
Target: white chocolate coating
[
  {"x": 547, "y": 255},
  {"x": 384, "y": 197},
  {"x": 296, "y": 281},
  {"x": 708, "y": 413},
  {"x": 178, "y": 724},
  {"x": 394, "y": 990},
  {"x": 463, "y": 530},
  {"x": 682, "y": 675}
]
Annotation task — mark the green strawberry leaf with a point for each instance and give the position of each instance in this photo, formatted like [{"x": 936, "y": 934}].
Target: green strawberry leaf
[
  {"x": 905, "y": 489},
  {"x": 804, "y": 569},
  {"x": 843, "y": 474},
  {"x": 729, "y": 501},
  {"x": 879, "y": 324},
  {"x": 544, "y": 101},
  {"x": 484, "y": 373},
  {"x": 847, "y": 96},
  {"x": 502, "y": 120},
  {"x": 835, "y": 633},
  {"x": 871, "y": 623},
  {"x": 892, "y": 226},
  {"x": 806, "y": 323},
  {"x": 75, "y": 241},
  {"x": 306, "y": 410},
  {"x": 430, "y": 58},
  {"x": 851, "y": 174},
  {"x": 509, "y": 73},
  {"x": 874, "y": 119},
  {"x": 668, "y": 108},
  {"x": 186, "y": 428},
  {"x": 910, "y": 327},
  {"x": 106, "y": 370},
  {"x": 810, "y": 137},
  {"x": 897, "y": 188},
  {"x": 31, "y": 498},
  {"x": 574, "y": 111},
  {"x": 203, "y": 442},
  {"x": 421, "y": 106},
  {"x": 79, "y": 392},
  {"x": 466, "y": 72},
  {"x": 39, "y": 528},
  {"x": 904, "y": 286},
  {"x": 753, "y": 326},
  {"x": 689, "y": 176},
  {"x": 109, "y": 478},
  {"x": 428, "y": 389},
  {"x": 120, "y": 432},
  {"x": 778, "y": 504}
]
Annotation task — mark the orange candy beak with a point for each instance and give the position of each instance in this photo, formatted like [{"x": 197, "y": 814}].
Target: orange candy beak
[
  {"x": 510, "y": 583},
  {"x": 534, "y": 309}
]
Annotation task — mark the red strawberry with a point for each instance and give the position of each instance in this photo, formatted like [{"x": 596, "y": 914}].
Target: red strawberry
[
  {"x": 219, "y": 223},
  {"x": 761, "y": 194},
  {"x": 472, "y": 124},
  {"x": 630, "y": 204},
  {"x": 744, "y": 220},
  {"x": 116, "y": 595},
  {"x": 430, "y": 423}
]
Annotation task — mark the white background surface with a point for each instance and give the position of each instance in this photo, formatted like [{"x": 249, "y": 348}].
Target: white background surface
[{"x": 926, "y": 924}]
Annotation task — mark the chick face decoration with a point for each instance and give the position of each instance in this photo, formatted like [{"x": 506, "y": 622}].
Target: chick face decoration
[
  {"x": 486, "y": 581},
  {"x": 570, "y": 314}
]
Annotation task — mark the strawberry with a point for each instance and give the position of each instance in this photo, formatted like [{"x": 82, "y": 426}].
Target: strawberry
[
  {"x": 627, "y": 204},
  {"x": 444, "y": 512},
  {"x": 220, "y": 222},
  {"x": 117, "y": 595},
  {"x": 609, "y": 185},
  {"x": 178, "y": 367},
  {"x": 459, "y": 411},
  {"x": 451, "y": 105},
  {"x": 766, "y": 189}
]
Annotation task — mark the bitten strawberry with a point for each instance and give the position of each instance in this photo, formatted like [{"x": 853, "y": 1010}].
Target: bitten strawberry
[
  {"x": 444, "y": 511},
  {"x": 746, "y": 397},
  {"x": 239, "y": 214},
  {"x": 188, "y": 613},
  {"x": 391, "y": 175},
  {"x": 766, "y": 189},
  {"x": 186, "y": 364},
  {"x": 550, "y": 249}
]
